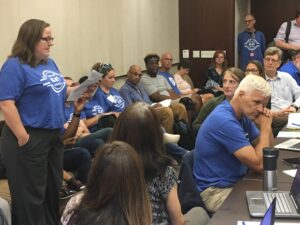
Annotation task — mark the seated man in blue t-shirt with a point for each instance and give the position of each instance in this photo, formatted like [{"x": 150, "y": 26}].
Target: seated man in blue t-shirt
[{"x": 229, "y": 143}]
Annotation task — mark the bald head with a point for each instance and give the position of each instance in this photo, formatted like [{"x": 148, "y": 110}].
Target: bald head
[
  {"x": 166, "y": 61},
  {"x": 134, "y": 74}
]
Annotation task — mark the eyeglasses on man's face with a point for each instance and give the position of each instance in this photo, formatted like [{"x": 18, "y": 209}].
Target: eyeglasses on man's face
[
  {"x": 47, "y": 39},
  {"x": 270, "y": 59},
  {"x": 248, "y": 21}
]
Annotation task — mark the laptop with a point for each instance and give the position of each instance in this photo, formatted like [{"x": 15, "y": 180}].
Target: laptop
[
  {"x": 269, "y": 217},
  {"x": 288, "y": 203},
  {"x": 291, "y": 144}
]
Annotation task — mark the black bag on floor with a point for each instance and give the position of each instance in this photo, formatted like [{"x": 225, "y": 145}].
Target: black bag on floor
[{"x": 186, "y": 140}]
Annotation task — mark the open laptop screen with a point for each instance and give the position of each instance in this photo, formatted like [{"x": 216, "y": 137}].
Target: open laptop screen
[
  {"x": 295, "y": 189},
  {"x": 269, "y": 216}
]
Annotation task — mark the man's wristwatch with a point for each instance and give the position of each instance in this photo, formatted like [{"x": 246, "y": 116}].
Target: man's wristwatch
[{"x": 296, "y": 107}]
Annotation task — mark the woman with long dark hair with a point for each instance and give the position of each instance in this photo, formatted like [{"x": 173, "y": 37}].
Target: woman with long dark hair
[
  {"x": 139, "y": 127},
  {"x": 215, "y": 73},
  {"x": 116, "y": 192}
]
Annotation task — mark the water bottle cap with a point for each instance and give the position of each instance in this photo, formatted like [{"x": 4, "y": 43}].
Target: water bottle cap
[{"x": 270, "y": 152}]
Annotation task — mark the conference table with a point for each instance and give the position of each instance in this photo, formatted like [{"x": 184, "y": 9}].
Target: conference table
[{"x": 235, "y": 206}]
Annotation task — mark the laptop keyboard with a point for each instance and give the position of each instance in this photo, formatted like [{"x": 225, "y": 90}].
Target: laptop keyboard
[
  {"x": 295, "y": 146},
  {"x": 282, "y": 205}
]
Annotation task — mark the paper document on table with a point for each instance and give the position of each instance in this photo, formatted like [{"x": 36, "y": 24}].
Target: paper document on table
[
  {"x": 289, "y": 134},
  {"x": 291, "y": 173},
  {"x": 240, "y": 222},
  {"x": 293, "y": 121},
  {"x": 93, "y": 78},
  {"x": 164, "y": 103}
]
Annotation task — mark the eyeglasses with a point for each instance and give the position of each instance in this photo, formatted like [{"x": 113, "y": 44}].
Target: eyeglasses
[
  {"x": 47, "y": 39},
  {"x": 105, "y": 68},
  {"x": 137, "y": 74},
  {"x": 251, "y": 71},
  {"x": 248, "y": 21},
  {"x": 268, "y": 59}
]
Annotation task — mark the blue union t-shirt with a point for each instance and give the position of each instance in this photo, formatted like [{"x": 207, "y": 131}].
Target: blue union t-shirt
[
  {"x": 39, "y": 92},
  {"x": 219, "y": 137},
  {"x": 112, "y": 102}
]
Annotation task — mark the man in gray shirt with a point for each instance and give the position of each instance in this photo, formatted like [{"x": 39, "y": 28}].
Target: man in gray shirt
[{"x": 156, "y": 85}]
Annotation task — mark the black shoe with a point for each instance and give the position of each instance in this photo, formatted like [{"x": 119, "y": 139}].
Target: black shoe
[
  {"x": 74, "y": 184},
  {"x": 66, "y": 193}
]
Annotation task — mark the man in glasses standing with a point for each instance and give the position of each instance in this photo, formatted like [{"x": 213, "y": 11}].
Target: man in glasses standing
[{"x": 251, "y": 43}]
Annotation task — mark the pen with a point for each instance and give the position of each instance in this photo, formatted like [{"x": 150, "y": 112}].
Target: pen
[{"x": 296, "y": 124}]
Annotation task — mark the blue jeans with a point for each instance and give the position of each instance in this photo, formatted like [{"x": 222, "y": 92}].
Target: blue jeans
[
  {"x": 94, "y": 140},
  {"x": 78, "y": 159},
  {"x": 175, "y": 150}
]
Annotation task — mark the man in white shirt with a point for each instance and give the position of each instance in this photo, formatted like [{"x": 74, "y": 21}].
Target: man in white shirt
[
  {"x": 285, "y": 97},
  {"x": 294, "y": 37}
]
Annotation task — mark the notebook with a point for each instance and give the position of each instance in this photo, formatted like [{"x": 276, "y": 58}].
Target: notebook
[
  {"x": 291, "y": 144},
  {"x": 288, "y": 203}
]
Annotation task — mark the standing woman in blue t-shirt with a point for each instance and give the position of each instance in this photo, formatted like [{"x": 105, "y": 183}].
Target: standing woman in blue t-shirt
[{"x": 32, "y": 95}]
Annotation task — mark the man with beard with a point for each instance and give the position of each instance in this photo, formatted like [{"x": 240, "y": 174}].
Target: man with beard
[{"x": 229, "y": 143}]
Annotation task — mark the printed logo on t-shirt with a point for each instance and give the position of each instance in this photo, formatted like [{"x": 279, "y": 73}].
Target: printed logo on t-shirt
[
  {"x": 119, "y": 102},
  {"x": 96, "y": 110},
  {"x": 251, "y": 44},
  {"x": 53, "y": 80},
  {"x": 247, "y": 135}
]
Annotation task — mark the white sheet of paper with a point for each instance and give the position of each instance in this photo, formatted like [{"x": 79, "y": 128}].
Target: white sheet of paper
[
  {"x": 93, "y": 78},
  {"x": 293, "y": 121},
  {"x": 289, "y": 134},
  {"x": 258, "y": 223},
  {"x": 291, "y": 173},
  {"x": 166, "y": 102}
]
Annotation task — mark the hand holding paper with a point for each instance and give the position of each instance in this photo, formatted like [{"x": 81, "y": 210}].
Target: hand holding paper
[{"x": 93, "y": 78}]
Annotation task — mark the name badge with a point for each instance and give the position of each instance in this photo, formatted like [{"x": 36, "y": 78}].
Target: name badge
[{"x": 111, "y": 98}]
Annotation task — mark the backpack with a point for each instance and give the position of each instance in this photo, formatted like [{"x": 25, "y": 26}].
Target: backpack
[
  {"x": 286, "y": 54},
  {"x": 187, "y": 139}
]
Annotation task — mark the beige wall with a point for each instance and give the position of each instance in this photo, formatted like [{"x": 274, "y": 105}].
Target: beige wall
[{"x": 120, "y": 32}]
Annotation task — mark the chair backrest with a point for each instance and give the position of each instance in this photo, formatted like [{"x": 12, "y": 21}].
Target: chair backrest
[
  {"x": 188, "y": 194},
  {"x": 2, "y": 122}
]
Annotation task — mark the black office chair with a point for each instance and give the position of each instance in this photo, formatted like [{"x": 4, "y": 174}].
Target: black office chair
[{"x": 188, "y": 193}]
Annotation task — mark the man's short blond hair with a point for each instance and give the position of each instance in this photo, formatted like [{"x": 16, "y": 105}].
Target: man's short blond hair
[
  {"x": 273, "y": 51},
  {"x": 254, "y": 83}
]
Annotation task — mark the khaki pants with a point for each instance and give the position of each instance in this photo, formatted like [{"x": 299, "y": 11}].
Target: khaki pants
[
  {"x": 166, "y": 115},
  {"x": 214, "y": 197},
  {"x": 179, "y": 111}
]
